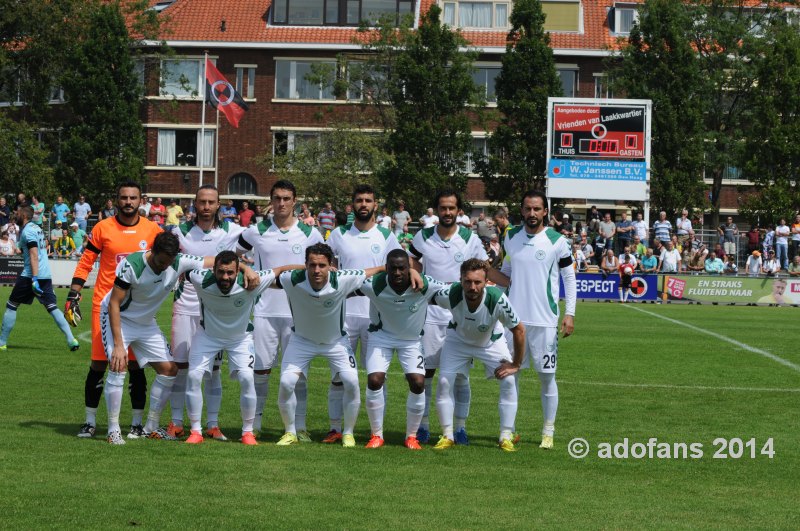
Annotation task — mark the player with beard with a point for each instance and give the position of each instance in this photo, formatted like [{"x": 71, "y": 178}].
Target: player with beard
[
  {"x": 438, "y": 252},
  {"x": 360, "y": 245},
  {"x": 204, "y": 236},
  {"x": 277, "y": 242},
  {"x": 112, "y": 239}
]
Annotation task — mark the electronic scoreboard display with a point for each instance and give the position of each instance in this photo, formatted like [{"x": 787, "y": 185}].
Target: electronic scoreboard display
[{"x": 598, "y": 131}]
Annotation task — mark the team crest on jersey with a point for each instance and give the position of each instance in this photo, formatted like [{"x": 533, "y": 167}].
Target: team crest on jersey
[
  {"x": 297, "y": 248},
  {"x": 483, "y": 328},
  {"x": 458, "y": 257},
  {"x": 220, "y": 248},
  {"x": 328, "y": 303},
  {"x": 143, "y": 245},
  {"x": 413, "y": 308},
  {"x": 375, "y": 248},
  {"x": 238, "y": 303},
  {"x": 540, "y": 254}
]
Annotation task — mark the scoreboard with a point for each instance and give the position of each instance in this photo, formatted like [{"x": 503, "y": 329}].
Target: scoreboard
[{"x": 598, "y": 131}]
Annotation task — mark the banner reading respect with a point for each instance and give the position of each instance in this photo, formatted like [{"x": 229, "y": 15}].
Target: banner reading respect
[{"x": 597, "y": 287}]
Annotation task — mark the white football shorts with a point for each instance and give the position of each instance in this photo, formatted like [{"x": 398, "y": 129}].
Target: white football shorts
[
  {"x": 147, "y": 342},
  {"x": 382, "y": 347},
  {"x": 241, "y": 352},
  {"x": 457, "y": 356},
  {"x": 301, "y": 351},
  {"x": 271, "y": 335}
]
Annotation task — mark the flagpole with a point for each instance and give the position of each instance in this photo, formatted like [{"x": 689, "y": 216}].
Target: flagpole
[
  {"x": 216, "y": 151},
  {"x": 203, "y": 121}
]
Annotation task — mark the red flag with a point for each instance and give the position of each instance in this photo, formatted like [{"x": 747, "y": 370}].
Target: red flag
[{"x": 221, "y": 94}]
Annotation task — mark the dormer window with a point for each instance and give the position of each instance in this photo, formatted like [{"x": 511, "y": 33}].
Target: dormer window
[{"x": 624, "y": 17}]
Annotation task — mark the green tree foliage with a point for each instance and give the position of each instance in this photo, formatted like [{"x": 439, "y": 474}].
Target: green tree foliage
[
  {"x": 517, "y": 148},
  {"x": 23, "y": 162},
  {"x": 419, "y": 83}
]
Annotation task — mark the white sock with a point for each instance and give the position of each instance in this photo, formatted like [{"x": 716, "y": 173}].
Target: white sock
[
  {"x": 113, "y": 391},
  {"x": 136, "y": 418},
  {"x": 287, "y": 400},
  {"x": 213, "y": 399},
  {"x": 620, "y": 295},
  {"x": 301, "y": 392},
  {"x": 627, "y": 291},
  {"x": 336, "y": 406},
  {"x": 261, "y": 384},
  {"x": 159, "y": 396},
  {"x": 445, "y": 403},
  {"x": 549, "y": 402},
  {"x": 352, "y": 401},
  {"x": 463, "y": 395},
  {"x": 375, "y": 409},
  {"x": 91, "y": 416},
  {"x": 247, "y": 399},
  {"x": 429, "y": 398},
  {"x": 194, "y": 398},
  {"x": 517, "y": 378},
  {"x": 178, "y": 397},
  {"x": 507, "y": 406},
  {"x": 415, "y": 406}
]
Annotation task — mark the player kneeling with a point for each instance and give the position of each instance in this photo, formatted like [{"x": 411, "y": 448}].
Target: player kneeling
[
  {"x": 474, "y": 332},
  {"x": 225, "y": 325},
  {"x": 397, "y": 316}
]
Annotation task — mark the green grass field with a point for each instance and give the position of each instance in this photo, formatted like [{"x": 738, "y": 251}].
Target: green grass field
[{"x": 624, "y": 373}]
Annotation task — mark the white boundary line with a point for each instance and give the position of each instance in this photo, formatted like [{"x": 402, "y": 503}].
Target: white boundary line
[
  {"x": 739, "y": 344},
  {"x": 684, "y": 387}
]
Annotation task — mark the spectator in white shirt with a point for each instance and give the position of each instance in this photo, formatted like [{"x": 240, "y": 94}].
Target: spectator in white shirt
[
  {"x": 771, "y": 266},
  {"x": 753, "y": 265},
  {"x": 429, "y": 219},
  {"x": 670, "y": 259}
]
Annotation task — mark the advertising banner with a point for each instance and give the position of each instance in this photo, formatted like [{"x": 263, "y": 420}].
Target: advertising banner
[
  {"x": 10, "y": 268},
  {"x": 742, "y": 290},
  {"x": 595, "y": 286}
]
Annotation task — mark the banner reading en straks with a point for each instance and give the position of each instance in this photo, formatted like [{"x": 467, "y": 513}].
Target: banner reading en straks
[{"x": 742, "y": 290}]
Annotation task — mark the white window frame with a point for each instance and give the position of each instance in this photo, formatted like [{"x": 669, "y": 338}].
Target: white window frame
[
  {"x": 580, "y": 17},
  {"x": 602, "y": 82},
  {"x": 293, "y": 80},
  {"x": 250, "y": 93},
  {"x": 198, "y": 93},
  {"x": 574, "y": 68},
  {"x": 210, "y": 130},
  {"x": 619, "y": 8},
  {"x": 485, "y": 66},
  {"x": 456, "y": 3}
]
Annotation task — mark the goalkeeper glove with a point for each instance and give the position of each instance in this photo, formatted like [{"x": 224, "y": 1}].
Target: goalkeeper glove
[
  {"x": 36, "y": 289},
  {"x": 72, "y": 310}
]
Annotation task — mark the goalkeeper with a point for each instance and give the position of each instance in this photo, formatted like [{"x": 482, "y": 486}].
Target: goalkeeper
[
  {"x": 111, "y": 239},
  {"x": 34, "y": 281}
]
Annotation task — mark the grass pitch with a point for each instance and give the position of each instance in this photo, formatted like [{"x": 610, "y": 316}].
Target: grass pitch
[{"x": 624, "y": 374}]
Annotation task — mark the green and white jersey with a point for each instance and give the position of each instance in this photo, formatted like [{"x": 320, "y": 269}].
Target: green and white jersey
[
  {"x": 361, "y": 250},
  {"x": 146, "y": 289},
  {"x": 319, "y": 315},
  {"x": 533, "y": 262},
  {"x": 227, "y": 315},
  {"x": 400, "y": 315},
  {"x": 273, "y": 248},
  {"x": 478, "y": 328},
  {"x": 442, "y": 259},
  {"x": 196, "y": 241}
]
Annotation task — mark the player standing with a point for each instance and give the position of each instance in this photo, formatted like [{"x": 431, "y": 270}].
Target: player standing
[
  {"x": 359, "y": 245},
  {"x": 397, "y": 315},
  {"x": 277, "y": 242},
  {"x": 476, "y": 310},
  {"x": 535, "y": 257},
  {"x": 112, "y": 239},
  {"x": 442, "y": 249},
  {"x": 34, "y": 281},
  {"x": 205, "y": 236}
]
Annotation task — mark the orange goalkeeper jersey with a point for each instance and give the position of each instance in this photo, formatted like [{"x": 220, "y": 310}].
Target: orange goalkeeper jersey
[{"x": 113, "y": 242}]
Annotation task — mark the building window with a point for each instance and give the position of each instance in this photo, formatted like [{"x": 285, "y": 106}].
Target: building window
[
  {"x": 246, "y": 81},
  {"x": 569, "y": 81},
  {"x": 625, "y": 16},
  {"x": 138, "y": 70},
  {"x": 476, "y": 14},
  {"x": 10, "y": 89},
  {"x": 484, "y": 77},
  {"x": 291, "y": 81},
  {"x": 181, "y": 78},
  {"x": 480, "y": 151},
  {"x": 336, "y": 12},
  {"x": 602, "y": 86},
  {"x": 242, "y": 184},
  {"x": 285, "y": 141},
  {"x": 57, "y": 95},
  {"x": 562, "y": 15},
  {"x": 183, "y": 147}
]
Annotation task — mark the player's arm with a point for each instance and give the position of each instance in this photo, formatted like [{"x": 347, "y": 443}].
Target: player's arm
[
  {"x": 499, "y": 278},
  {"x": 415, "y": 258},
  {"x": 119, "y": 356},
  {"x": 570, "y": 295},
  {"x": 506, "y": 368},
  {"x": 33, "y": 250}
]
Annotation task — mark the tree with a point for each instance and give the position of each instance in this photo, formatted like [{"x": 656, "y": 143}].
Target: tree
[
  {"x": 103, "y": 140},
  {"x": 659, "y": 62},
  {"x": 419, "y": 83},
  {"x": 23, "y": 162},
  {"x": 518, "y": 147}
]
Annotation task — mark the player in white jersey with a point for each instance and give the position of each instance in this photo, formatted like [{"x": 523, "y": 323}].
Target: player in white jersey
[
  {"x": 225, "y": 325},
  {"x": 277, "y": 242},
  {"x": 127, "y": 319},
  {"x": 442, "y": 249},
  {"x": 535, "y": 256},
  {"x": 397, "y": 315},
  {"x": 475, "y": 311},
  {"x": 317, "y": 296},
  {"x": 204, "y": 236},
  {"x": 359, "y": 245}
]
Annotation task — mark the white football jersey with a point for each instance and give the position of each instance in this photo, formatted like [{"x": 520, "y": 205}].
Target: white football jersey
[
  {"x": 478, "y": 328},
  {"x": 399, "y": 315},
  {"x": 361, "y": 250},
  {"x": 533, "y": 262},
  {"x": 196, "y": 241},
  {"x": 319, "y": 315},
  {"x": 227, "y": 315},
  {"x": 146, "y": 289},
  {"x": 273, "y": 248},
  {"x": 441, "y": 259}
]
